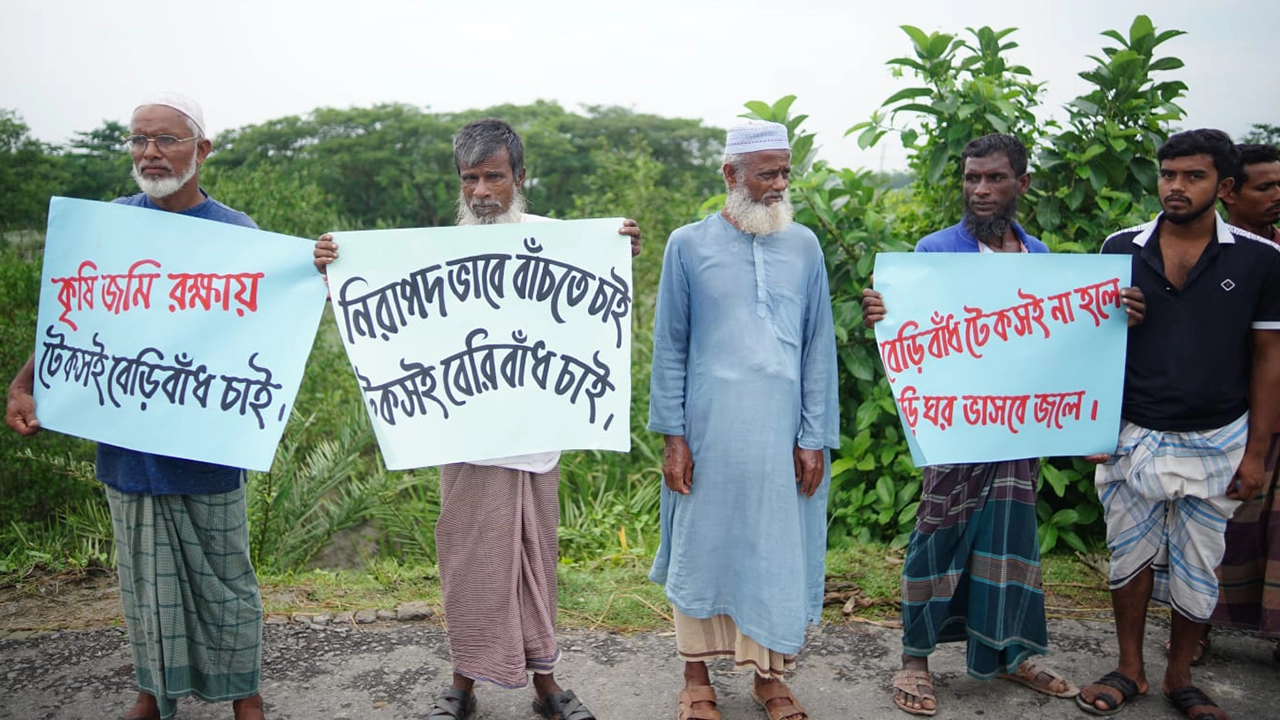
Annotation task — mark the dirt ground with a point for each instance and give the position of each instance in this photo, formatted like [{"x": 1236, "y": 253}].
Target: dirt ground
[{"x": 64, "y": 601}]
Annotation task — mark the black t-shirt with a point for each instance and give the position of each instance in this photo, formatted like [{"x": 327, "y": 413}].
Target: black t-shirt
[{"x": 1188, "y": 363}]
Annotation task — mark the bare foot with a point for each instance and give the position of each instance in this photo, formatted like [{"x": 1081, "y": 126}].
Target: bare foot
[
  {"x": 249, "y": 708},
  {"x": 144, "y": 708}
]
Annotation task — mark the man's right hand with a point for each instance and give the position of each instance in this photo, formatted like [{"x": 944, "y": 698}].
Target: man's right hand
[
  {"x": 20, "y": 412},
  {"x": 677, "y": 464},
  {"x": 872, "y": 307},
  {"x": 326, "y": 251}
]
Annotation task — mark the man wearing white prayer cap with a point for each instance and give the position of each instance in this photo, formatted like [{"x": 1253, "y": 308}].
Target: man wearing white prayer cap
[
  {"x": 190, "y": 595},
  {"x": 744, "y": 389}
]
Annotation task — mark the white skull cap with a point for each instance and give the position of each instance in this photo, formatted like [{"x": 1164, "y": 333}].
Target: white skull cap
[{"x": 181, "y": 103}]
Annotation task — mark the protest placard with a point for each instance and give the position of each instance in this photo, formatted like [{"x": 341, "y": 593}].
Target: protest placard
[
  {"x": 1001, "y": 357},
  {"x": 478, "y": 342},
  {"x": 172, "y": 335}
]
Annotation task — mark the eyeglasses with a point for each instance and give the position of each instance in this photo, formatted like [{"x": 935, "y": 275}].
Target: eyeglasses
[{"x": 138, "y": 143}]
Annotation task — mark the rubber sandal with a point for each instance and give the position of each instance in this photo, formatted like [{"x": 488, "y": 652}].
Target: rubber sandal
[
  {"x": 565, "y": 704},
  {"x": 1184, "y": 698},
  {"x": 1127, "y": 688},
  {"x": 454, "y": 705}
]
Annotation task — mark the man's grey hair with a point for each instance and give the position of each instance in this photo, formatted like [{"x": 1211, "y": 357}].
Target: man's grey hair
[
  {"x": 193, "y": 127},
  {"x": 480, "y": 140},
  {"x": 734, "y": 159}
]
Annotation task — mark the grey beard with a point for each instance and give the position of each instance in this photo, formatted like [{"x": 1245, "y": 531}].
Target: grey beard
[
  {"x": 755, "y": 218},
  {"x": 513, "y": 213},
  {"x": 991, "y": 228},
  {"x": 164, "y": 187}
]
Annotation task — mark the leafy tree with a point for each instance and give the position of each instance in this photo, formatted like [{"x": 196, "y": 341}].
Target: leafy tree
[
  {"x": 968, "y": 89},
  {"x": 1262, "y": 134},
  {"x": 392, "y": 165},
  {"x": 28, "y": 176},
  {"x": 96, "y": 165},
  {"x": 1099, "y": 174},
  {"x": 289, "y": 204}
]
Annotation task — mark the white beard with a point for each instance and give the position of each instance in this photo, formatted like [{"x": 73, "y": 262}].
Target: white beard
[
  {"x": 755, "y": 218},
  {"x": 164, "y": 187},
  {"x": 513, "y": 214}
]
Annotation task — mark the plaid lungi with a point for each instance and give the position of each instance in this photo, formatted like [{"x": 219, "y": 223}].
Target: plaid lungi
[
  {"x": 1249, "y": 575},
  {"x": 496, "y": 547},
  {"x": 1164, "y": 495},
  {"x": 972, "y": 570},
  {"x": 190, "y": 595}
]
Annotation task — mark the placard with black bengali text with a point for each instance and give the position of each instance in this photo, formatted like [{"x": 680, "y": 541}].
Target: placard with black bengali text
[{"x": 479, "y": 342}]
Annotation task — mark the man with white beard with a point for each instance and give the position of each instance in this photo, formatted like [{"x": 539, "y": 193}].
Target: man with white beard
[
  {"x": 744, "y": 389},
  {"x": 496, "y": 537},
  {"x": 190, "y": 595}
]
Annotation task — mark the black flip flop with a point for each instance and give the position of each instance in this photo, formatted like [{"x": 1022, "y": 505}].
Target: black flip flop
[
  {"x": 1184, "y": 698},
  {"x": 1127, "y": 688}
]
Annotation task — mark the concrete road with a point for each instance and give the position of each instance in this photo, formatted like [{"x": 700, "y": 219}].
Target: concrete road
[{"x": 390, "y": 670}]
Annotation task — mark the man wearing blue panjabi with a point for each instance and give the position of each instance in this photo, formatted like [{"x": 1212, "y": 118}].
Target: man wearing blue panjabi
[{"x": 744, "y": 388}]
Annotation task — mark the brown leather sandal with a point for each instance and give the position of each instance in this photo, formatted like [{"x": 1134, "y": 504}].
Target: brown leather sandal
[
  {"x": 790, "y": 710},
  {"x": 698, "y": 693}
]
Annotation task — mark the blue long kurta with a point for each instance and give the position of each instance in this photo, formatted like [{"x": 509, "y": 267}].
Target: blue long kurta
[{"x": 744, "y": 366}]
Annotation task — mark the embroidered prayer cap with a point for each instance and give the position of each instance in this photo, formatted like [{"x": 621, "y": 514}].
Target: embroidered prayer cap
[
  {"x": 754, "y": 136},
  {"x": 181, "y": 103}
]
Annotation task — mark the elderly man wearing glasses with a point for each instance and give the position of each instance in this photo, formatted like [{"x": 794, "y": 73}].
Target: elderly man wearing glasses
[{"x": 190, "y": 595}]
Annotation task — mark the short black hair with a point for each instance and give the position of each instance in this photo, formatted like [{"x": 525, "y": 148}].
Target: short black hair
[
  {"x": 480, "y": 140},
  {"x": 1252, "y": 155},
  {"x": 1011, "y": 146},
  {"x": 1204, "y": 141}
]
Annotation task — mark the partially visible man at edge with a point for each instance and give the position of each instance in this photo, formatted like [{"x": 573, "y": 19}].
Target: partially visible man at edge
[
  {"x": 190, "y": 594},
  {"x": 1201, "y": 399},
  {"x": 1000, "y": 613},
  {"x": 1249, "y": 576},
  {"x": 744, "y": 387},
  {"x": 498, "y": 517}
]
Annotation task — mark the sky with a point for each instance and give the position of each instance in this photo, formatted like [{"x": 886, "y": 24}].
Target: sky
[{"x": 68, "y": 65}]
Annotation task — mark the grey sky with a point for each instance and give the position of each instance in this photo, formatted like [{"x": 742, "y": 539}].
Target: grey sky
[{"x": 69, "y": 64}]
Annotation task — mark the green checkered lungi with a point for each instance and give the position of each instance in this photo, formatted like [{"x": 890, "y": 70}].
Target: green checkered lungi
[{"x": 190, "y": 595}]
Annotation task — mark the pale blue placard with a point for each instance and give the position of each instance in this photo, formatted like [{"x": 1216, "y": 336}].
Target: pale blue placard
[
  {"x": 480, "y": 342},
  {"x": 170, "y": 334},
  {"x": 1050, "y": 333}
]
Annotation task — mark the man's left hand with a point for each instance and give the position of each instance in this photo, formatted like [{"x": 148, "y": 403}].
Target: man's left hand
[
  {"x": 1135, "y": 304},
  {"x": 629, "y": 227},
  {"x": 1248, "y": 480},
  {"x": 808, "y": 469}
]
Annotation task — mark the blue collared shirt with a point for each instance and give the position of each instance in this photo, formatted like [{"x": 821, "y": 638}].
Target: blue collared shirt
[{"x": 957, "y": 239}]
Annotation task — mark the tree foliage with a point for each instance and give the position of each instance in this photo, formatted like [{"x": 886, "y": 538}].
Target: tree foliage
[
  {"x": 28, "y": 175},
  {"x": 392, "y": 165}
]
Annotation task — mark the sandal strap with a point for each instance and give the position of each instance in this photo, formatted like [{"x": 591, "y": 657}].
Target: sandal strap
[
  {"x": 1116, "y": 681},
  {"x": 452, "y": 703},
  {"x": 567, "y": 706},
  {"x": 1185, "y": 698},
  {"x": 698, "y": 693},
  {"x": 917, "y": 683},
  {"x": 772, "y": 691}
]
